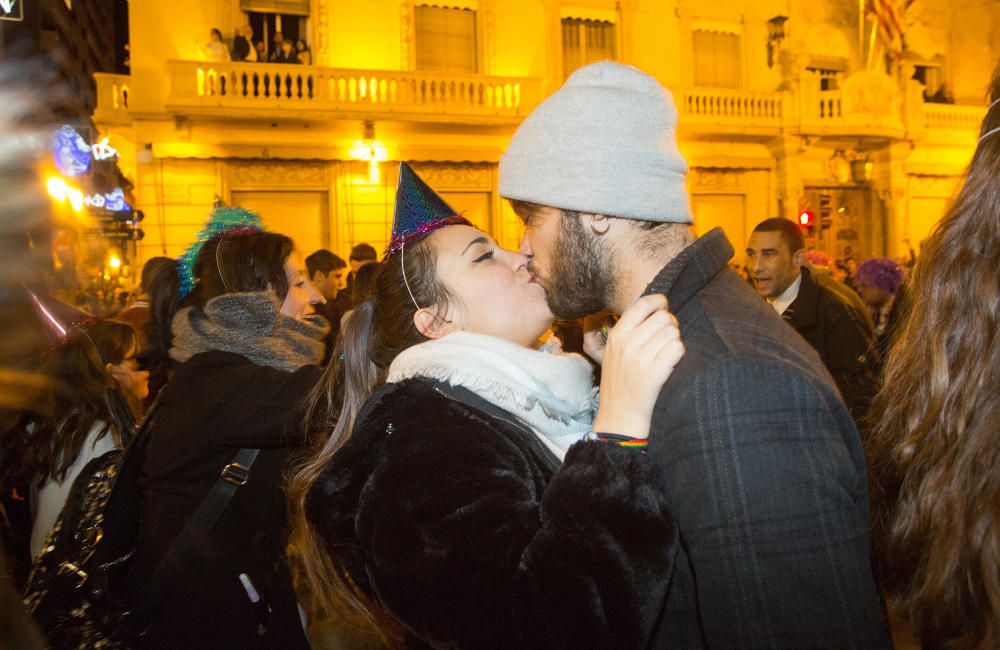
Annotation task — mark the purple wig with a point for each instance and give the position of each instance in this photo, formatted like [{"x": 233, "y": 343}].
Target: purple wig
[{"x": 881, "y": 273}]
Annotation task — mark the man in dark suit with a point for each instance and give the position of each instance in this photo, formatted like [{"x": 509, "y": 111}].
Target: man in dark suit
[
  {"x": 839, "y": 331},
  {"x": 764, "y": 468}
]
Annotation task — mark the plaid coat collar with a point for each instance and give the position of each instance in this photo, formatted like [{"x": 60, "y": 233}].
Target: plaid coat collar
[{"x": 688, "y": 273}]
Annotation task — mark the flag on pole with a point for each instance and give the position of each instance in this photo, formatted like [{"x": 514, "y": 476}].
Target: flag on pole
[{"x": 888, "y": 16}]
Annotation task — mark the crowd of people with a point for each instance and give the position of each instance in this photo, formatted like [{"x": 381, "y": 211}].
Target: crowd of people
[
  {"x": 245, "y": 48},
  {"x": 383, "y": 445}
]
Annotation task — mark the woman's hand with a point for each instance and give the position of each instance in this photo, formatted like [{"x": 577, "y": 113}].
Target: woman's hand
[{"x": 642, "y": 349}]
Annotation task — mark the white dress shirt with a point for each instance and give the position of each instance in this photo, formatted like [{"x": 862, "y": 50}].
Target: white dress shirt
[{"x": 787, "y": 297}]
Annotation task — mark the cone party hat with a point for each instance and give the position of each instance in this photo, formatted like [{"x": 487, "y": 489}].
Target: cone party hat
[{"x": 419, "y": 210}]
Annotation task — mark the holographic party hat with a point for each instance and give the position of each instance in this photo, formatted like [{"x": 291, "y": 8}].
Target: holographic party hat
[
  {"x": 419, "y": 210},
  {"x": 57, "y": 319}
]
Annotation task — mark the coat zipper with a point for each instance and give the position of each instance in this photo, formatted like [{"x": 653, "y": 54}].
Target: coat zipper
[{"x": 537, "y": 444}]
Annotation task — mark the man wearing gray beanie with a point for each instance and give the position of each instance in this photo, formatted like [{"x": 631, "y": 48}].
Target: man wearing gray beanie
[{"x": 763, "y": 463}]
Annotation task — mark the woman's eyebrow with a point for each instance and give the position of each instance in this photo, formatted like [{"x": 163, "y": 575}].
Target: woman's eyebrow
[{"x": 477, "y": 240}]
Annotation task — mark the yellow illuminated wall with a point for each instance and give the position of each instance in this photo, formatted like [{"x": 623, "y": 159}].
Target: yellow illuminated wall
[{"x": 294, "y": 166}]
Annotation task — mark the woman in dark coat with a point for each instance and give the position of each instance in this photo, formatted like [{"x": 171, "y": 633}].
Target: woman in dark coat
[
  {"x": 468, "y": 503},
  {"x": 245, "y": 348}
]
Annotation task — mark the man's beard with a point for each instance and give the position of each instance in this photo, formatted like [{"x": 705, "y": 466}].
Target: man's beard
[{"x": 581, "y": 280}]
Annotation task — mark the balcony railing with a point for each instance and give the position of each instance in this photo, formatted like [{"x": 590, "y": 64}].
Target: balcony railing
[
  {"x": 112, "y": 98},
  {"x": 829, "y": 105},
  {"x": 951, "y": 117},
  {"x": 276, "y": 86},
  {"x": 736, "y": 108},
  {"x": 256, "y": 90}
]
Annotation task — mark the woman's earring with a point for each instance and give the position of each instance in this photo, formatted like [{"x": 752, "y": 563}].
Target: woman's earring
[{"x": 599, "y": 233}]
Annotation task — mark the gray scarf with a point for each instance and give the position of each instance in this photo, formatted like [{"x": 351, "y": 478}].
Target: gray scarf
[{"x": 250, "y": 325}]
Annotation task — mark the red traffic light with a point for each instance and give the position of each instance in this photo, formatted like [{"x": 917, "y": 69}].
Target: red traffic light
[{"x": 806, "y": 218}]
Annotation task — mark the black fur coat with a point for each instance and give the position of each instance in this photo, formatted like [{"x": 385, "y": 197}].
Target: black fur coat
[{"x": 458, "y": 520}]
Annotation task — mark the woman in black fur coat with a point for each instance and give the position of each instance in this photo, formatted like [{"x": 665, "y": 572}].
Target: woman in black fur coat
[{"x": 462, "y": 499}]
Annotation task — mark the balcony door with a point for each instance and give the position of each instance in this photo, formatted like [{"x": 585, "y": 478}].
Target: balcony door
[{"x": 302, "y": 215}]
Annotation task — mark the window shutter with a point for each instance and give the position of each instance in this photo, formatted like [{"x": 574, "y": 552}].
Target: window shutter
[
  {"x": 716, "y": 59},
  {"x": 586, "y": 41},
  {"x": 446, "y": 39}
]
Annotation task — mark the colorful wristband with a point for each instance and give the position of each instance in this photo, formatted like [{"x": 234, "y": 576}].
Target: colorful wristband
[{"x": 621, "y": 441}]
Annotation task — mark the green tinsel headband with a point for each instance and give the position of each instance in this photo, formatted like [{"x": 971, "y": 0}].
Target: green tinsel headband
[{"x": 228, "y": 221}]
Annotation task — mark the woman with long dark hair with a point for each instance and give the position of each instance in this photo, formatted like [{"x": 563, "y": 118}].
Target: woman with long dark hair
[
  {"x": 937, "y": 458},
  {"x": 164, "y": 298},
  {"x": 245, "y": 343},
  {"x": 462, "y": 499},
  {"x": 95, "y": 397}
]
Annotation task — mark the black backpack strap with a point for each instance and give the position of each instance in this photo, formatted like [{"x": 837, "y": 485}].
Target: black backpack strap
[{"x": 192, "y": 537}]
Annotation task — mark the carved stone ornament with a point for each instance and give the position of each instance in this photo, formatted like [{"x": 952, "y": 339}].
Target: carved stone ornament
[
  {"x": 277, "y": 173},
  {"x": 466, "y": 176},
  {"x": 406, "y": 34},
  {"x": 321, "y": 52},
  {"x": 707, "y": 179},
  {"x": 870, "y": 92}
]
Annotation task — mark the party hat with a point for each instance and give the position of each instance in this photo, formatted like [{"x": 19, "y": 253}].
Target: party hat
[
  {"x": 224, "y": 220},
  {"x": 419, "y": 210},
  {"x": 57, "y": 319}
]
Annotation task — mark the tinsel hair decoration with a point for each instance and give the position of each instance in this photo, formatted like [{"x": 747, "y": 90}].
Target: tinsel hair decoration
[
  {"x": 224, "y": 221},
  {"x": 880, "y": 273},
  {"x": 419, "y": 211}
]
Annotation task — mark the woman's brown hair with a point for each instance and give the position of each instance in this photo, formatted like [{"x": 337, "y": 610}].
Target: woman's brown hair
[
  {"x": 378, "y": 330},
  {"x": 83, "y": 395},
  {"x": 936, "y": 459}
]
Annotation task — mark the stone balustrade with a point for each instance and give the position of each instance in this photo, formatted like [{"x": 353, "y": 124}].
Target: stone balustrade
[
  {"x": 309, "y": 88},
  {"x": 254, "y": 89},
  {"x": 952, "y": 117},
  {"x": 112, "y": 98},
  {"x": 730, "y": 107}
]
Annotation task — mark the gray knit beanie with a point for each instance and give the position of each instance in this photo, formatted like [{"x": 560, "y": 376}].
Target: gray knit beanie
[{"x": 605, "y": 143}]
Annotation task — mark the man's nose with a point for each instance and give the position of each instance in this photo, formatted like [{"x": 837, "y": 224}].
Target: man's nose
[{"x": 525, "y": 247}]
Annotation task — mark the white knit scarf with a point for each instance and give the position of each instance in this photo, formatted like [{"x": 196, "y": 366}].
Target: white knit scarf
[{"x": 553, "y": 393}]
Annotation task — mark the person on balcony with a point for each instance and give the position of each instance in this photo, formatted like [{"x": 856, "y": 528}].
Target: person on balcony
[
  {"x": 215, "y": 49},
  {"x": 305, "y": 56},
  {"x": 287, "y": 54},
  {"x": 243, "y": 48},
  {"x": 279, "y": 38}
]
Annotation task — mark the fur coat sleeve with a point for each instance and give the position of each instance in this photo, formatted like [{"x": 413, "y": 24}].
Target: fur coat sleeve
[{"x": 472, "y": 541}]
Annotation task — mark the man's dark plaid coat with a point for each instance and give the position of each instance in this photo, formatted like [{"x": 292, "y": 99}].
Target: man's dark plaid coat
[{"x": 765, "y": 474}]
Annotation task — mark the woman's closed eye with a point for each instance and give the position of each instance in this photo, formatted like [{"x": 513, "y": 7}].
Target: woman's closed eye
[{"x": 485, "y": 256}]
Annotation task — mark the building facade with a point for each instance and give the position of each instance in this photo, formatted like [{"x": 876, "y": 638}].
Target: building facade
[{"x": 785, "y": 106}]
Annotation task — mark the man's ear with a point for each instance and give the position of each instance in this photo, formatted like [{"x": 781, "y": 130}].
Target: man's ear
[
  {"x": 431, "y": 324},
  {"x": 599, "y": 223},
  {"x": 799, "y": 258}
]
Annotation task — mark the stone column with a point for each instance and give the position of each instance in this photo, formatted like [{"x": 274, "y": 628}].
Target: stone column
[
  {"x": 891, "y": 186},
  {"x": 787, "y": 151}
]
